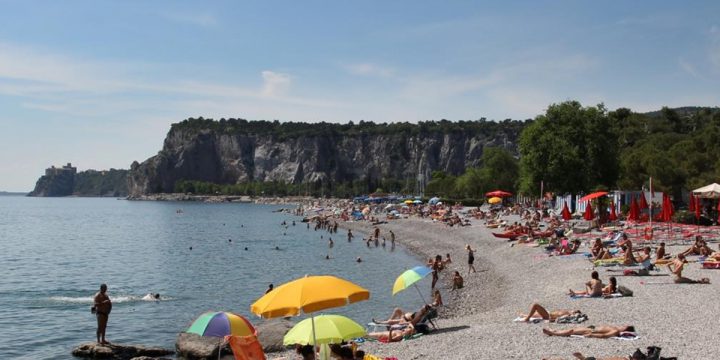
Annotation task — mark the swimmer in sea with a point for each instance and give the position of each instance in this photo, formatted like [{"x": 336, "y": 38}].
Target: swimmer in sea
[
  {"x": 330, "y": 243},
  {"x": 359, "y": 259},
  {"x": 277, "y": 248},
  {"x": 269, "y": 289}
]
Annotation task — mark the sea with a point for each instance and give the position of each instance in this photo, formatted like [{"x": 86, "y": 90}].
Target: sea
[{"x": 55, "y": 253}]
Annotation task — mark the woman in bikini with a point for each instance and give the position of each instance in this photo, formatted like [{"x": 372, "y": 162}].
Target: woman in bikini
[
  {"x": 393, "y": 335},
  {"x": 471, "y": 258},
  {"x": 593, "y": 288},
  {"x": 676, "y": 267},
  {"x": 547, "y": 315}
]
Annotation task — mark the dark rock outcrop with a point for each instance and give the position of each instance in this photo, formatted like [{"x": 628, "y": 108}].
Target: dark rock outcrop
[
  {"x": 270, "y": 334},
  {"x": 66, "y": 181},
  {"x": 230, "y": 153},
  {"x": 119, "y": 352}
]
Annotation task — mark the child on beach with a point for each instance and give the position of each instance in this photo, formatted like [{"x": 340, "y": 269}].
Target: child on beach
[{"x": 457, "y": 281}]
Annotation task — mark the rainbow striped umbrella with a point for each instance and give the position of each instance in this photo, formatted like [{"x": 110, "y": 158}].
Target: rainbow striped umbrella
[
  {"x": 410, "y": 277},
  {"x": 221, "y": 324}
]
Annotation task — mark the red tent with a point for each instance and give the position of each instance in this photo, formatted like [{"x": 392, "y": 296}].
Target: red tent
[
  {"x": 697, "y": 208},
  {"x": 634, "y": 213},
  {"x": 566, "y": 212},
  {"x": 498, "y": 193},
  {"x": 593, "y": 196},
  {"x": 588, "y": 215},
  {"x": 643, "y": 202},
  {"x": 718, "y": 211},
  {"x": 612, "y": 216}
]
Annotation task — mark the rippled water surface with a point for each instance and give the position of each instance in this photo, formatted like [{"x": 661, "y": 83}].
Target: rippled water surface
[{"x": 57, "y": 251}]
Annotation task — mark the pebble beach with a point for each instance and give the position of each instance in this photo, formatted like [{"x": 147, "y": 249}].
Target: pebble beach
[{"x": 476, "y": 321}]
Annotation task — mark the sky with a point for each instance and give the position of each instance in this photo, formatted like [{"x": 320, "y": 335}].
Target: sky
[{"x": 98, "y": 83}]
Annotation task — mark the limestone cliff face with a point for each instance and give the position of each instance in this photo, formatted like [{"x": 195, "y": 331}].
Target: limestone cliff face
[
  {"x": 227, "y": 157},
  {"x": 57, "y": 182}
]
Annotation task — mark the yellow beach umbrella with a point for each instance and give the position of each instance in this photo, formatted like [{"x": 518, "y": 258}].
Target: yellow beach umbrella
[
  {"x": 308, "y": 294},
  {"x": 494, "y": 200}
]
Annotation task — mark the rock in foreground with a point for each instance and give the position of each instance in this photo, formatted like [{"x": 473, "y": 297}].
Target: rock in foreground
[
  {"x": 119, "y": 352},
  {"x": 195, "y": 347}
]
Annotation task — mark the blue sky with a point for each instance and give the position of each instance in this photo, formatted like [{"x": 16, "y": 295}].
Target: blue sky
[{"x": 98, "y": 83}]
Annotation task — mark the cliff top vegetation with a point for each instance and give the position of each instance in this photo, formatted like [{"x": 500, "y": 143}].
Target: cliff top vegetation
[{"x": 300, "y": 129}]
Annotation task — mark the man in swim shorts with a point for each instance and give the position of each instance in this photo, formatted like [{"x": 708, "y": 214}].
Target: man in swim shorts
[{"x": 102, "y": 309}]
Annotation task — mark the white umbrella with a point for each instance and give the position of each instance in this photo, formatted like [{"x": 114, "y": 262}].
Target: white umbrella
[{"x": 711, "y": 191}]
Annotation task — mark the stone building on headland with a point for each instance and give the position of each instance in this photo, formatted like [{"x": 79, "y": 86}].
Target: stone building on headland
[{"x": 67, "y": 169}]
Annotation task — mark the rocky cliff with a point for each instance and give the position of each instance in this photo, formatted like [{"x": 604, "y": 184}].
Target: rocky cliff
[
  {"x": 59, "y": 182},
  {"x": 237, "y": 151}
]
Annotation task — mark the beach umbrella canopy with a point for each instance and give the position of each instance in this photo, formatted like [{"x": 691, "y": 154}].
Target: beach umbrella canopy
[
  {"x": 498, "y": 193},
  {"x": 417, "y": 202},
  {"x": 566, "y": 212},
  {"x": 329, "y": 329},
  {"x": 593, "y": 196},
  {"x": 494, "y": 200},
  {"x": 691, "y": 205},
  {"x": 221, "y": 324},
  {"x": 308, "y": 294},
  {"x": 634, "y": 214},
  {"x": 408, "y": 201},
  {"x": 588, "y": 215},
  {"x": 711, "y": 191},
  {"x": 410, "y": 277},
  {"x": 667, "y": 212},
  {"x": 643, "y": 201},
  {"x": 613, "y": 215},
  {"x": 434, "y": 200}
]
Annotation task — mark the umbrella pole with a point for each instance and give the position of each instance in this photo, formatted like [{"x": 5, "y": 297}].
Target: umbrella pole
[
  {"x": 312, "y": 321},
  {"x": 420, "y": 292}
]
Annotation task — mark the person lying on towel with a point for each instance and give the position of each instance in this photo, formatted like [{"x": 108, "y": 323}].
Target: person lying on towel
[
  {"x": 600, "y": 332},
  {"x": 551, "y": 316},
  {"x": 393, "y": 335}
]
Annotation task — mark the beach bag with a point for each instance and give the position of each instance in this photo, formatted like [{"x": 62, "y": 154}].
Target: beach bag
[
  {"x": 422, "y": 328},
  {"x": 624, "y": 291}
]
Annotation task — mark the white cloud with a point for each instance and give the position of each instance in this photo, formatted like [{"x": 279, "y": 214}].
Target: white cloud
[
  {"x": 274, "y": 84},
  {"x": 368, "y": 69},
  {"x": 197, "y": 19},
  {"x": 688, "y": 68}
]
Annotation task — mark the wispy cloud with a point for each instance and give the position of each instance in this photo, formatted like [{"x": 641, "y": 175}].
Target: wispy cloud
[
  {"x": 197, "y": 19},
  {"x": 369, "y": 69},
  {"x": 688, "y": 67},
  {"x": 61, "y": 83}
]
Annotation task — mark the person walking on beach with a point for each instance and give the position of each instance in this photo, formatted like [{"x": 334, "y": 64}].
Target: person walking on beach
[
  {"x": 102, "y": 309},
  {"x": 471, "y": 258}
]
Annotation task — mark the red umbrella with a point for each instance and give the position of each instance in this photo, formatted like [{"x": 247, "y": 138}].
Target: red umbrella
[
  {"x": 498, "y": 193},
  {"x": 593, "y": 196},
  {"x": 612, "y": 216},
  {"x": 588, "y": 215},
  {"x": 634, "y": 213},
  {"x": 697, "y": 209},
  {"x": 643, "y": 202},
  {"x": 667, "y": 210},
  {"x": 718, "y": 208},
  {"x": 691, "y": 206},
  {"x": 566, "y": 212}
]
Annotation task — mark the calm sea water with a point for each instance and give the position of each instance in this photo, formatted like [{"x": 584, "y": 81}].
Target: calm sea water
[{"x": 57, "y": 251}]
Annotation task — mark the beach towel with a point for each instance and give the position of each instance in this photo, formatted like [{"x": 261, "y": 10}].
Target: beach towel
[
  {"x": 611, "y": 296},
  {"x": 711, "y": 265},
  {"x": 572, "y": 319},
  {"x": 245, "y": 347},
  {"x": 625, "y": 335},
  {"x": 533, "y": 320}
]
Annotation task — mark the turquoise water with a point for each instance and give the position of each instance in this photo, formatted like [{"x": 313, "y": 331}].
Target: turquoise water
[{"x": 57, "y": 251}]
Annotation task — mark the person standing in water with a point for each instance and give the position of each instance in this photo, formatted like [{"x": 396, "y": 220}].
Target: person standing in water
[
  {"x": 350, "y": 235},
  {"x": 102, "y": 309},
  {"x": 269, "y": 289},
  {"x": 392, "y": 238}
]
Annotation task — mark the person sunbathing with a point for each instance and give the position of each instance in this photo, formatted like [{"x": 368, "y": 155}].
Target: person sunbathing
[
  {"x": 597, "y": 248},
  {"x": 660, "y": 252},
  {"x": 550, "y": 316},
  {"x": 571, "y": 249},
  {"x": 676, "y": 267},
  {"x": 698, "y": 248},
  {"x": 393, "y": 335},
  {"x": 593, "y": 288},
  {"x": 457, "y": 281},
  {"x": 399, "y": 317},
  {"x": 599, "y": 332},
  {"x": 628, "y": 257}
]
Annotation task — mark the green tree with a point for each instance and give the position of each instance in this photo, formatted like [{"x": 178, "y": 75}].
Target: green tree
[{"x": 570, "y": 148}]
